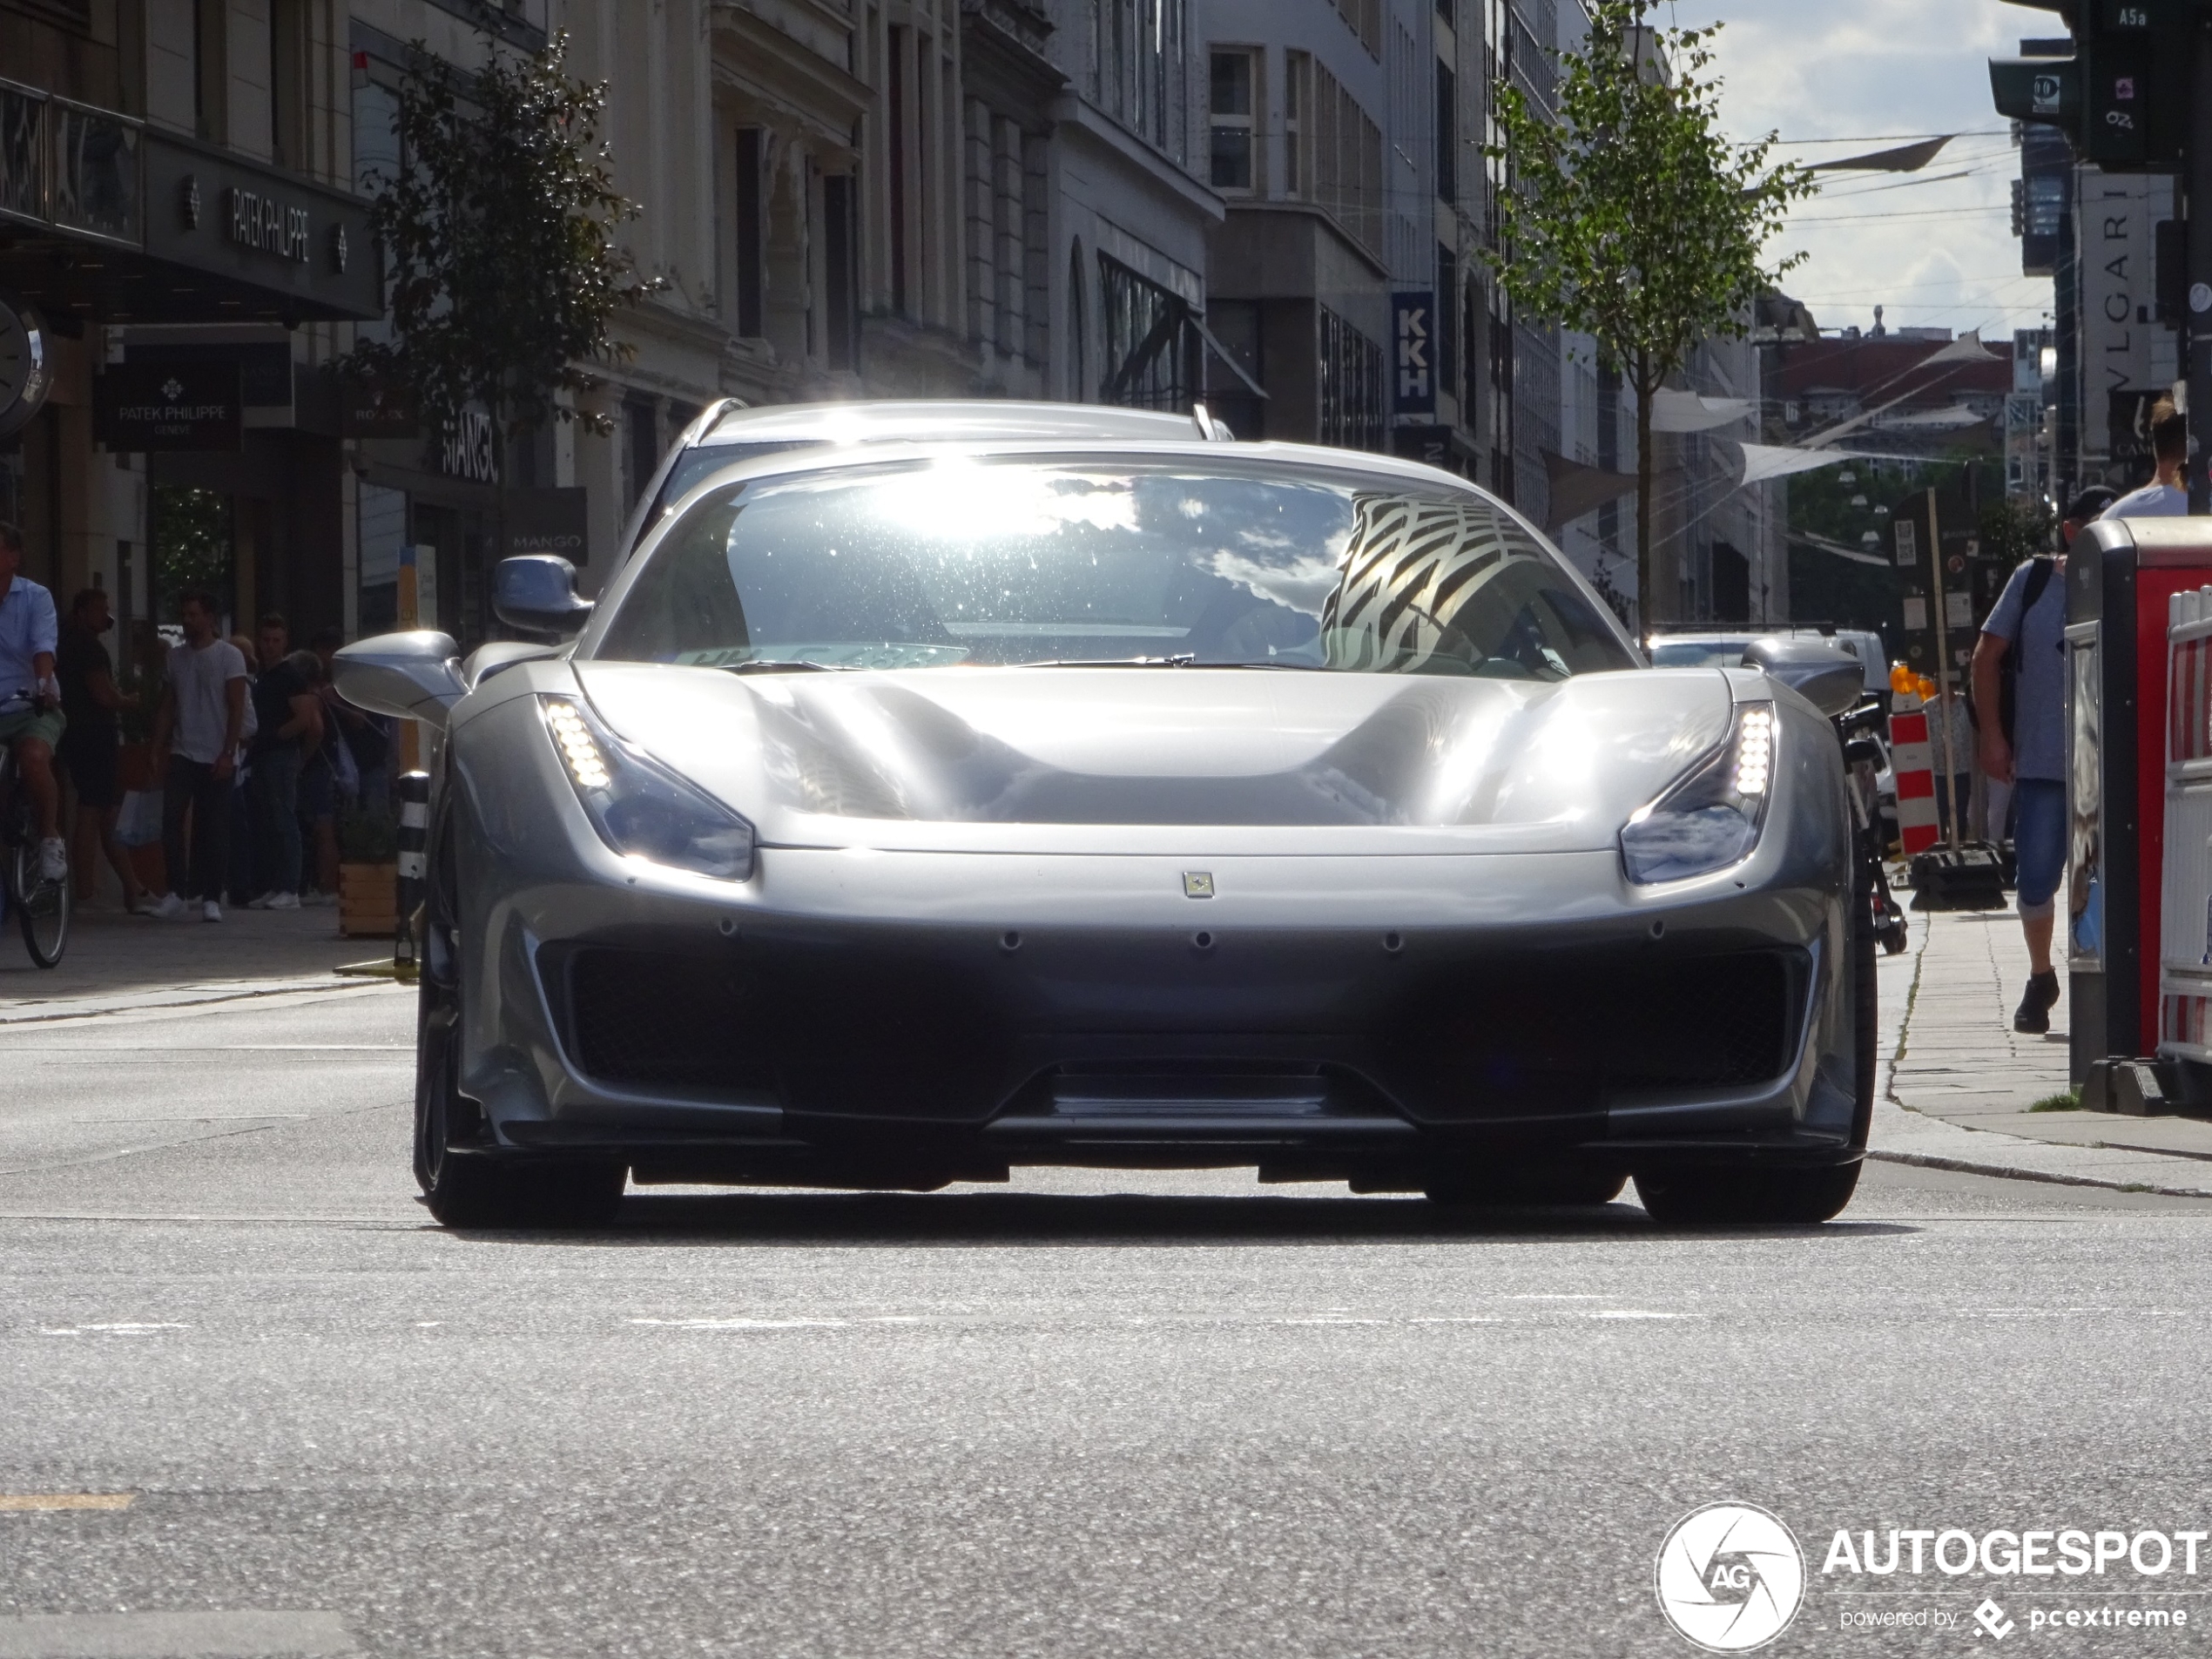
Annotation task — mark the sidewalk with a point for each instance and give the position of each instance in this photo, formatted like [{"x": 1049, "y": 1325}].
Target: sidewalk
[
  {"x": 120, "y": 960},
  {"x": 1961, "y": 1082}
]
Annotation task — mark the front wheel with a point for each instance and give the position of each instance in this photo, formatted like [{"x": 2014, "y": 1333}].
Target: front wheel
[
  {"x": 1741, "y": 1195},
  {"x": 41, "y": 907}
]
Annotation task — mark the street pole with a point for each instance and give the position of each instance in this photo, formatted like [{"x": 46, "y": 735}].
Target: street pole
[
  {"x": 2198, "y": 180},
  {"x": 1942, "y": 668}
]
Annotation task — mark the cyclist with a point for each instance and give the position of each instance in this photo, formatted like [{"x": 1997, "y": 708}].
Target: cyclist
[{"x": 30, "y": 713}]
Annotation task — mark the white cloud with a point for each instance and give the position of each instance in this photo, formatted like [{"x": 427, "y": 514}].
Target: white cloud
[{"x": 1934, "y": 250}]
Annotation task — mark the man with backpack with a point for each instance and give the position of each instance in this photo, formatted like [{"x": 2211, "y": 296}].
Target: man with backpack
[{"x": 2019, "y": 699}]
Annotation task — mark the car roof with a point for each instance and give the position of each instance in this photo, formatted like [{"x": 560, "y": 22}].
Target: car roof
[{"x": 894, "y": 421}]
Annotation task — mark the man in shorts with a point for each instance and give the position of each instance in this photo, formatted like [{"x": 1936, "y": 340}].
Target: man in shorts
[
  {"x": 91, "y": 702},
  {"x": 30, "y": 698},
  {"x": 2028, "y": 623}
]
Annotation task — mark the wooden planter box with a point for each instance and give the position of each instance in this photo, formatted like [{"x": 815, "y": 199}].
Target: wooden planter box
[{"x": 369, "y": 900}]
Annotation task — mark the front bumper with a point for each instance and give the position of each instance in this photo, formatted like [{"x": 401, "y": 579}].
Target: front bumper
[{"x": 903, "y": 1018}]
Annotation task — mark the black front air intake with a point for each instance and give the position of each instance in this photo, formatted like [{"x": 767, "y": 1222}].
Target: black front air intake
[{"x": 1535, "y": 1038}]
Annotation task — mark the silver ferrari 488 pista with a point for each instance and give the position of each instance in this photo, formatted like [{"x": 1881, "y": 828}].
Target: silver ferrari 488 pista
[{"x": 904, "y": 812}]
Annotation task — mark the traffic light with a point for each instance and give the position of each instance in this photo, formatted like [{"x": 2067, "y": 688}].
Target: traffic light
[{"x": 2123, "y": 97}]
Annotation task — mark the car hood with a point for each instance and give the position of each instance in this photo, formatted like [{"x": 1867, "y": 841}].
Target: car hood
[{"x": 1170, "y": 760}]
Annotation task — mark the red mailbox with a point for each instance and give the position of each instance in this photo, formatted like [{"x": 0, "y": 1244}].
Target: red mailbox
[{"x": 2120, "y": 576}]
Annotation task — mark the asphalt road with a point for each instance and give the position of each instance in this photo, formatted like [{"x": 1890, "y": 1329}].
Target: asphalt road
[{"x": 1090, "y": 1415}]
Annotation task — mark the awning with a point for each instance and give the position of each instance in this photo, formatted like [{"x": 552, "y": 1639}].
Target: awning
[
  {"x": 1577, "y": 489},
  {"x": 1688, "y": 412}
]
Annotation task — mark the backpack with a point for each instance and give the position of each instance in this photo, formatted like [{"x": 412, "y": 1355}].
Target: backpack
[{"x": 2039, "y": 572}]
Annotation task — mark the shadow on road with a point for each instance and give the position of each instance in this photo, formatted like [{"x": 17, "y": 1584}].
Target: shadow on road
[{"x": 906, "y": 1220}]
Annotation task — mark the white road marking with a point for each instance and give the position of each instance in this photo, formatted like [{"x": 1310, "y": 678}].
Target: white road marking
[
  {"x": 747, "y": 1324},
  {"x": 174, "y": 1635}
]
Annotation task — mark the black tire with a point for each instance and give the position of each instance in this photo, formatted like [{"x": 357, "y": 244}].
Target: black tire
[
  {"x": 1866, "y": 1000},
  {"x": 1558, "y": 1186},
  {"x": 1746, "y": 1195},
  {"x": 464, "y": 1188},
  {"x": 42, "y": 908}
]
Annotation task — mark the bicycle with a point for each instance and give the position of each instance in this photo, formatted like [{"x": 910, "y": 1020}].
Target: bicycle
[{"x": 41, "y": 907}]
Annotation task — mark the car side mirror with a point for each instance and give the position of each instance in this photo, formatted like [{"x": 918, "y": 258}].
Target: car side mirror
[
  {"x": 1826, "y": 675},
  {"x": 414, "y": 676},
  {"x": 536, "y": 593}
]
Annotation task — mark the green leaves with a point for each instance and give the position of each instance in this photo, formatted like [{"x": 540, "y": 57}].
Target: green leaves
[
  {"x": 1629, "y": 216},
  {"x": 499, "y": 241}
]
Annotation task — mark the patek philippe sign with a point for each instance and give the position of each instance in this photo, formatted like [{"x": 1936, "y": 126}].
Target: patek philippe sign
[
  {"x": 301, "y": 250},
  {"x": 1415, "y": 327},
  {"x": 149, "y": 407},
  {"x": 268, "y": 226}
]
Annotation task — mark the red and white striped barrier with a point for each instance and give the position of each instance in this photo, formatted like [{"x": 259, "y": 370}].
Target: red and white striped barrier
[{"x": 1912, "y": 764}]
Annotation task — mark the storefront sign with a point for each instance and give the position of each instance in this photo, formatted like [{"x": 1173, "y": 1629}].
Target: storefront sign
[
  {"x": 149, "y": 408},
  {"x": 268, "y": 226},
  {"x": 369, "y": 409},
  {"x": 1415, "y": 313},
  {"x": 305, "y": 248},
  {"x": 471, "y": 448},
  {"x": 548, "y": 520}
]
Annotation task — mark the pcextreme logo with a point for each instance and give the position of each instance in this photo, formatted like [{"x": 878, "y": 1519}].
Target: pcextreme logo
[{"x": 1731, "y": 1577}]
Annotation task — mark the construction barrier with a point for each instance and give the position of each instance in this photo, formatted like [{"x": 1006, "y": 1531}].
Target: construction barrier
[
  {"x": 415, "y": 834},
  {"x": 1912, "y": 764}
]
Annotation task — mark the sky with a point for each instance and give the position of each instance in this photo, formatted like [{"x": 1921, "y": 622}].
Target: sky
[{"x": 1837, "y": 77}]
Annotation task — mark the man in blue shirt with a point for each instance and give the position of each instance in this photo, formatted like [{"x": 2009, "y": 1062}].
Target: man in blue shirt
[
  {"x": 2028, "y": 625},
  {"x": 30, "y": 697}
]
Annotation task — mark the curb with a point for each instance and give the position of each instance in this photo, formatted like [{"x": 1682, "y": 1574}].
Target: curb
[{"x": 2013, "y": 1172}]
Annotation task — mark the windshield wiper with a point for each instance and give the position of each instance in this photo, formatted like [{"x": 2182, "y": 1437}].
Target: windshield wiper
[
  {"x": 1184, "y": 660},
  {"x": 777, "y": 666}
]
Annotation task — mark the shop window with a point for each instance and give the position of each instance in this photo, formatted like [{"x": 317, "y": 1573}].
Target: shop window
[
  {"x": 1236, "y": 324},
  {"x": 1297, "y": 97},
  {"x": 753, "y": 235},
  {"x": 1448, "y": 133},
  {"x": 841, "y": 279},
  {"x": 1147, "y": 341},
  {"x": 1235, "y": 82},
  {"x": 1352, "y": 386},
  {"x": 1447, "y": 315},
  {"x": 381, "y": 524}
]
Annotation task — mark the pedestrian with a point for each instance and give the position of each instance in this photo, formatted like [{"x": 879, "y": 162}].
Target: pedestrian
[
  {"x": 31, "y": 703},
  {"x": 90, "y": 746},
  {"x": 196, "y": 737},
  {"x": 2167, "y": 495},
  {"x": 2019, "y": 693},
  {"x": 288, "y": 717},
  {"x": 1952, "y": 744},
  {"x": 334, "y": 773}
]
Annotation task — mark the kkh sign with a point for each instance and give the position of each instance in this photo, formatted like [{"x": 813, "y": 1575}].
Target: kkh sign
[{"x": 268, "y": 226}]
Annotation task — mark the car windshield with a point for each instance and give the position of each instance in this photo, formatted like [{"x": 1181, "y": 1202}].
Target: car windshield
[
  {"x": 1698, "y": 653},
  {"x": 1173, "y": 563}
]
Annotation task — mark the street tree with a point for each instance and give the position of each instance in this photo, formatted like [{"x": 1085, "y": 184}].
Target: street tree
[
  {"x": 1627, "y": 216},
  {"x": 499, "y": 233}
]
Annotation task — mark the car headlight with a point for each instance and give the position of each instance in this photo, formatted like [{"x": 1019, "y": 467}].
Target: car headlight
[
  {"x": 641, "y": 808},
  {"x": 1711, "y": 818}
]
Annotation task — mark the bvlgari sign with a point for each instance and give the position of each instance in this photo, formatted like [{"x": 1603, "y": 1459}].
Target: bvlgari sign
[{"x": 268, "y": 226}]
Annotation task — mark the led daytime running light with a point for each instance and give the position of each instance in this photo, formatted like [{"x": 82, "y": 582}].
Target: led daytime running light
[
  {"x": 586, "y": 765},
  {"x": 1754, "y": 752}
]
